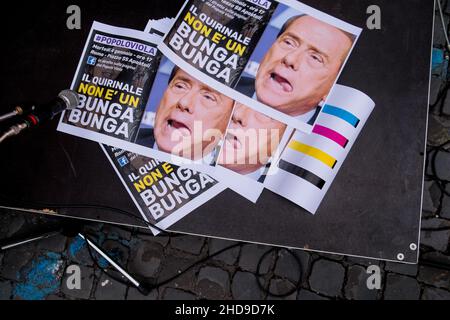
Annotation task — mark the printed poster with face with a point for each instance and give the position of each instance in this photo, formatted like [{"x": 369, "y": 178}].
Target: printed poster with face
[
  {"x": 114, "y": 80},
  {"x": 280, "y": 58},
  {"x": 162, "y": 192},
  {"x": 190, "y": 119}
]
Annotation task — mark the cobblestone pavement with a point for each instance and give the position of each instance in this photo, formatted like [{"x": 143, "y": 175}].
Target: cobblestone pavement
[{"x": 41, "y": 270}]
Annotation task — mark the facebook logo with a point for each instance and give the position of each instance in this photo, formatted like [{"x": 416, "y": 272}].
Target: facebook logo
[
  {"x": 123, "y": 161},
  {"x": 91, "y": 61}
]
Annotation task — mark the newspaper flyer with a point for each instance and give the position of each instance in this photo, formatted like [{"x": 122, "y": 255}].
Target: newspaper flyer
[
  {"x": 175, "y": 119},
  {"x": 162, "y": 192},
  {"x": 164, "y": 111},
  {"x": 280, "y": 58},
  {"x": 308, "y": 165},
  {"x": 114, "y": 79},
  {"x": 243, "y": 169},
  {"x": 179, "y": 103},
  {"x": 159, "y": 27},
  {"x": 184, "y": 116}
]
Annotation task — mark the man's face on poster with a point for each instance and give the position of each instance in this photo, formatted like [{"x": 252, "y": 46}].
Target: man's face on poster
[
  {"x": 300, "y": 68},
  {"x": 252, "y": 138},
  {"x": 189, "y": 104}
]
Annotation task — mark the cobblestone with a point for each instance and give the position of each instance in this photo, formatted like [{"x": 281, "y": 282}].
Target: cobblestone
[
  {"x": 435, "y": 87},
  {"x": 250, "y": 256},
  {"x": 5, "y": 290},
  {"x": 145, "y": 259},
  {"x": 435, "y": 277},
  {"x": 445, "y": 212},
  {"x": 172, "y": 265},
  {"x": 436, "y": 257},
  {"x": 54, "y": 244},
  {"x": 428, "y": 204},
  {"x": 430, "y": 293},
  {"x": 327, "y": 277},
  {"x": 281, "y": 287},
  {"x": 245, "y": 287},
  {"x": 40, "y": 277},
  {"x": 109, "y": 289},
  {"x": 442, "y": 165},
  {"x": 14, "y": 225},
  {"x": 401, "y": 288},
  {"x": 86, "y": 284},
  {"x": 356, "y": 286},
  {"x": 287, "y": 265},
  {"x": 438, "y": 134},
  {"x": 78, "y": 252},
  {"x": 437, "y": 240},
  {"x": 435, "y": 223},
  {"x": 116, "y": 251},
  {"x": 213, "y": 283},
  {"x": 228, "y": 257},
  {"x": 15, "y": 259},
  {"x": 189, "y": 244},
  {"x": 439, "y": 36}
]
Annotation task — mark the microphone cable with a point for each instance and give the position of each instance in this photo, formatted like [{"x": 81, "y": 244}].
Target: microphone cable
[{"x": 66, "y": 100}]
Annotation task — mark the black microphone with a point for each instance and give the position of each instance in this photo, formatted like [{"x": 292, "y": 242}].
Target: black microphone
[{"x": 66, "y": 100}]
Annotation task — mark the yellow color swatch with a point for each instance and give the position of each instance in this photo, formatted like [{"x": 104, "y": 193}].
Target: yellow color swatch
[{"x": 313, "y": 152}]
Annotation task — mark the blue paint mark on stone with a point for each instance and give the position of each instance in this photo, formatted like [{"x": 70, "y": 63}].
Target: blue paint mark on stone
[
  {"x": 42, "y": 277},
  {"x": 102, "y": 262},
  {"x": 77, "y": 244},
  {"x": 115, "y": 254}
]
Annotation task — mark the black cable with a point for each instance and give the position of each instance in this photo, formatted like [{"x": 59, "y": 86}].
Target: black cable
[
  {"x": 170, "y": 234},
  {"x": 267, "y": 290},
  {"x": 195, "y": 264},
  {"x": 431, "y": 162},
  {"x": 179, "y": 274},
  {"x": 35, "y": 205},
  {"x": 442, "y": 94},
  {"x": 166, "y": 281},
  {"x": 102, "y": 269}
]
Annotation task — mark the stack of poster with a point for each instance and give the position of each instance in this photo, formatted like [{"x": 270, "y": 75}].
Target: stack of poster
[{"x": 235, "y": 94}]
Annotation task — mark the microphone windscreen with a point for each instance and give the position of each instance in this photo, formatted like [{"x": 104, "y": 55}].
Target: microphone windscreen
[{"x": 70, "y": 97}]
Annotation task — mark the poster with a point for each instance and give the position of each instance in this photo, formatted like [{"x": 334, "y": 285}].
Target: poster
[
  {"x": 281, "y": 58},
  {"x": 162, "y": 192}
]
